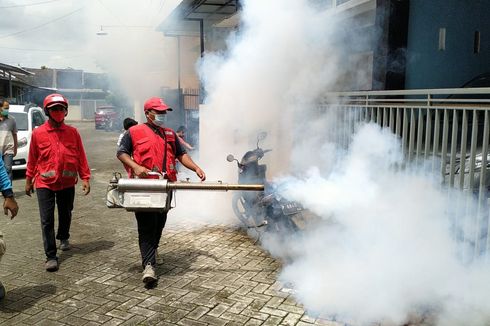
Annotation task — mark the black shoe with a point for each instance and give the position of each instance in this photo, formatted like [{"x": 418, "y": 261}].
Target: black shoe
[
  {"x": 3, "y": 292},
  {"x": 65, "y": 245},
  {"x": 52, "y": 265}
]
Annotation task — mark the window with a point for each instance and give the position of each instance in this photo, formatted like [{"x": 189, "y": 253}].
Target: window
[
  {"x": 37, "y": 119},
  {"x": 20, "y": 120}
]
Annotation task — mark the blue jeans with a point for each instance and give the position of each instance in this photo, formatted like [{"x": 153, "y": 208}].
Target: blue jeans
[{"x": 8, "y": 160}]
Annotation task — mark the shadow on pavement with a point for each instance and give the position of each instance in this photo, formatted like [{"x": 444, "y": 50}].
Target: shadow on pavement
[
  {"x": 181, "y": 261},
  {"x": 175, "y": 262},
  {"x": 85, "y": 248},
  {"x": 23, "y": 298}
]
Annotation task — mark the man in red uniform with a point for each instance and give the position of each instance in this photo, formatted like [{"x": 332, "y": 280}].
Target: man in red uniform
[
  {"x": 56, "y": 159},
  {"x": 151, "y": 147}
]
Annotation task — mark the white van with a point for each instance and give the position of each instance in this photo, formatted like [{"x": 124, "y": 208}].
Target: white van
[{"x": 27, "y": 119}]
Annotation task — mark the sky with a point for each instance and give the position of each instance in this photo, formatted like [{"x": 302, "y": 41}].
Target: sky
[{"x": 62, "y": 33}]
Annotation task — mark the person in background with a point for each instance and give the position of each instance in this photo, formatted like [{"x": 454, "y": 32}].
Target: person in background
[
  {"x": 56, "y": 159},
  {"x": 8, "y": 137},
  {"x": 152, "y": 147},
  {"x": 127, "y": 123},
  {"x": 9, "y": 204},
  {"x": 181, "y": 135}
]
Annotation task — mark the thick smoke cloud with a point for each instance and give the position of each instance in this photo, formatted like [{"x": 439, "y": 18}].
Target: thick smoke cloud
[
  {"x": 387, "y": 247},
  {"x": 281, "y": 61}
]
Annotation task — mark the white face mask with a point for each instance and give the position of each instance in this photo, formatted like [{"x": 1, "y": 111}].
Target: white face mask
[{"x": 160, "y": 120}]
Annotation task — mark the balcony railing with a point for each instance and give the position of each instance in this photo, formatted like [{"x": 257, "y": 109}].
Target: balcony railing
[{"x": 449, "y": 128}]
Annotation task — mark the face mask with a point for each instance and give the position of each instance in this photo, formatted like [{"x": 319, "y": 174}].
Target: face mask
[
  {"x": 160, "y": 120},
  {"x": 57, "y": 116},
  {"x": 5, "y": 112}
]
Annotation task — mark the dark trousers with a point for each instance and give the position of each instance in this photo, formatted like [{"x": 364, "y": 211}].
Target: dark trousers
[
  {"x": 150, "y": 227},
  {"x": 64, "y": 200}
]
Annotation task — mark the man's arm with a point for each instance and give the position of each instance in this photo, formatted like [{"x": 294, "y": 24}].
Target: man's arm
[
  {"x": 31, "y": 164},
  {"x": 15, "y": 142},
  {"x": 84, "y": 169},
  {"x": 124, "y": 153},
  {"x": 139, "y": 171},
  {"x": 187, "y": 161},
  {"x": 6, "y": 187},
  {"x": 14, "y": 135},
  {"x": 184, "y": 143}
]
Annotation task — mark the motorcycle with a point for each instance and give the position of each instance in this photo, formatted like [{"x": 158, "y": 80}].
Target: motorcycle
[{"x": 264, "y": 211}]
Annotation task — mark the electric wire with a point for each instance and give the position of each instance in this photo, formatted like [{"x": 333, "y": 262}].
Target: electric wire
[
  {"x": 42, "y": 25},
  {"x": 29, "y": 4},
  {"x": 110, "y": 12}
]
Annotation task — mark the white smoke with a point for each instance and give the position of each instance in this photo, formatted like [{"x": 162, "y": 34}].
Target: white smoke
[
  {"x": 274, "y": 71},
  {"x": 387, "y": 246}
]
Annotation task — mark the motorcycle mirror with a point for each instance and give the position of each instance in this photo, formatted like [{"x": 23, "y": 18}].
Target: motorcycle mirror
[
  {"x": 262, "y": 135},
  {"x": 230, "y": 158}
]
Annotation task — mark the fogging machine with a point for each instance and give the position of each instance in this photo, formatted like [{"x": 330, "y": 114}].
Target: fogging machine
[{"x": 155, "y": 195}]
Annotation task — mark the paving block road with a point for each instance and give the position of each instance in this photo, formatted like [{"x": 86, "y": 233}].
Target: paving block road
[{"x": 213, "y": 275}]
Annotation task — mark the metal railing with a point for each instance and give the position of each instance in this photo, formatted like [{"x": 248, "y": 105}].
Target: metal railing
[{"x": 449, "y": 128}]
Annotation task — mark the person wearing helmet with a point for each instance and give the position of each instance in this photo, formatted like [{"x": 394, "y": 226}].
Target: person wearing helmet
[
  {"x": 152, "y": 147},
  {"x": 56, "y": 160}
]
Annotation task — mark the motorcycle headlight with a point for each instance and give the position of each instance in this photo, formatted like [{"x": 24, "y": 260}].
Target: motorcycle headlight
[{"x": 22, "y": 142}]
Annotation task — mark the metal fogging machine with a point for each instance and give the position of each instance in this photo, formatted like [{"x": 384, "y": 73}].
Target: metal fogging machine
[{"x": 155, "y": 195}]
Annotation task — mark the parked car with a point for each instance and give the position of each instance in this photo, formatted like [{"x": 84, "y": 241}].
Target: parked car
[
  {"x": 27, "y": 119},
  {"x": 107, "y": 118}
]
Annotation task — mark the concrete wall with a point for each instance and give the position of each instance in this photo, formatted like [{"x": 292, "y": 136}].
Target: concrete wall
[
  {"x": 429, "y": 67},
  {"x": 74, "y": 113}
]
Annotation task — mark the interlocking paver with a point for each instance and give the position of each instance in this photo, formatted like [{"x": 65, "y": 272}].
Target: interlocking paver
[
  {"x": 135, "y": 320},
  {"x": 213, "y": 320},
  {"x": 92, "y": 316},
  {"x": 119, "y": 314},
  {"x": 254, "y": 322},
  {"x": 291, "y": 319},
  {"x": 273, "y": 321},
  {"x": 234, "y": 317},
  {"x": 191, "y": 322}
]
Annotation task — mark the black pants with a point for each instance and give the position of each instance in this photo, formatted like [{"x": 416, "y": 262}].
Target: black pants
[
  {"x": 64, "y": 200},
  {"x": 150, "y": 227}
]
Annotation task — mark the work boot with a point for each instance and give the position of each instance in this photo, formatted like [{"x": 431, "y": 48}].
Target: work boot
[
  {"x": 3, "y": 292},
  {"x": 149, "y": 274},
  {"x": 52, "y": 265},
  {"x": 65, "y": 245}
]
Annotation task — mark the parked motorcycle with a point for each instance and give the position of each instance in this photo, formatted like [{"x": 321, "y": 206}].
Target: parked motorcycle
[{"x": 265, "y": 211}]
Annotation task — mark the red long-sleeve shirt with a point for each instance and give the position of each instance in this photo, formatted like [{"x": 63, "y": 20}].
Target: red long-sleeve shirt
[{"x": 56, "y": 150}]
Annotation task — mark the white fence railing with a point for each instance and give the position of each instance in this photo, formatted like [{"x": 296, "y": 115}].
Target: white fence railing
[{"x": 449, "y": 127}]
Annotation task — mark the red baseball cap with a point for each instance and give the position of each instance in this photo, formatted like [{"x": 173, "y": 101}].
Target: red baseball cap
[{"x": 157, "y": 104}]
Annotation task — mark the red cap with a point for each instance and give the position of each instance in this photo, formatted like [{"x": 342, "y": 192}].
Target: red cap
[{"x": 157, "y": 104}]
